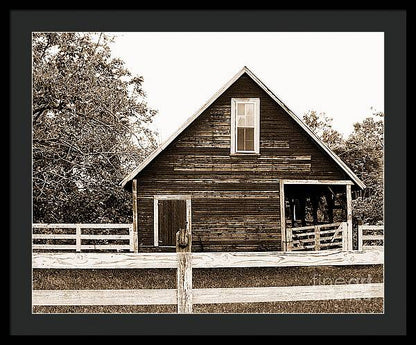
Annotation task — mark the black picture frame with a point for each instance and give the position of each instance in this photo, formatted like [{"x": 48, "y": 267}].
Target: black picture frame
[{"x": 24, "y": 22}]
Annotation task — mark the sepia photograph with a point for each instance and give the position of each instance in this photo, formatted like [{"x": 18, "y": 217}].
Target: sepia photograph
[{"x": 207, "y": 172}]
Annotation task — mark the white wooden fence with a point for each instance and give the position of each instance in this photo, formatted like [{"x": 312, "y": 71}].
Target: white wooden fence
[
  {"x": 72, "y": 237},
  {"x": 308, "y": 238},
  {"x": 204, "y": 260},
  {"x": 317, "y": 237},
  {"x": 184, "y": 261},
  {"x": 370, "y": 237}
]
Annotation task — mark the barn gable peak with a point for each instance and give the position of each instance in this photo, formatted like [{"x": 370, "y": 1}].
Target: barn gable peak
[{"x": 244, "y": 70}]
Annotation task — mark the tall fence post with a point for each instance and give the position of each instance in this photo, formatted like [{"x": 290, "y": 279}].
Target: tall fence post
[{"x": 184, "y": 271}]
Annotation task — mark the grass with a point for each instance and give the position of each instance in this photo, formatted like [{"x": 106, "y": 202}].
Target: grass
[{"x": 50, "y": 279}]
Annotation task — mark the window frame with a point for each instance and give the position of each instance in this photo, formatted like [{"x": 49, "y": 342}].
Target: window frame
[{"x": 256, "y": 115}]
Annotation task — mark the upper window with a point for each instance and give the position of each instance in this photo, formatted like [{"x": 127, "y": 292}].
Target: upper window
[{"x": 245, "y": 125}]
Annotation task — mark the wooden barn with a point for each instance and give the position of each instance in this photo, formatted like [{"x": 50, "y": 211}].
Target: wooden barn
[{"x": 244, "y": 173}]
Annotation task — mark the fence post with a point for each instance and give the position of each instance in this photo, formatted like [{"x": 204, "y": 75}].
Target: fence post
[
  {"x": 360, "y": 237},
  {"x": 283, "y": 216},
  {"x": 184, "y": 271},
  {"x": 135, "y": 225},
  {"x": 344, "y": 236},
  {"x": 78, "y": 237},
  {"x": 131, "y": 236},
  {"x": 289, "y": 239},
  {"x": 317, "y": 238},
  {"x": 349, "y": 217}
]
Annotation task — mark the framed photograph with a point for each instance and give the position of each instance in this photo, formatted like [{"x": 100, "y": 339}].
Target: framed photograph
[{"x": 231, "y": 171}]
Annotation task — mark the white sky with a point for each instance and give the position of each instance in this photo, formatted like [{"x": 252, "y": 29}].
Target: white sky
[{"x": 341, "y": 74}]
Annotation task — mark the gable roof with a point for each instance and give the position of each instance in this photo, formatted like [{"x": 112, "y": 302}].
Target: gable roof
[{"x": 160, "y": 148}]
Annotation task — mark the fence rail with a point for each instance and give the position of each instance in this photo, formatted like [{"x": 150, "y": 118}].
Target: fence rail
[
  {"x": 205, "y": 260},
  {"x": 61, "y": 234},
  {"x": 370, "y": 237},
  {"x": 317, "y": 237},
  {"x": 208, "y": 296}
]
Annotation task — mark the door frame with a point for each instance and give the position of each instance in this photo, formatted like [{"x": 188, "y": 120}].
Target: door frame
[
  {"x": 156, "y": 199},
  {"x": 283, "y": 182}
]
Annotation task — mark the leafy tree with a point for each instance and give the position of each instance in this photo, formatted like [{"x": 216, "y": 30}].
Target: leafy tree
[
  {"x": 321, "y": 125},
  {"x": 363, "y": 152},
  {"x": 90, "y": 125}
]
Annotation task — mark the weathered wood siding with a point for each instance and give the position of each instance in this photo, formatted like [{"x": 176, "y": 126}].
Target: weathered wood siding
[{"x": 235, "y": 199}]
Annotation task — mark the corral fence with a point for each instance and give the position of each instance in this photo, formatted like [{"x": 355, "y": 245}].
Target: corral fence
[
  {"x": 370, "y": 237},
  {"x": 121, "y": 237},
  {"x": 184, "y": 296},
  {"x": 83, "y": 237},
  {"x": 317, "y": 237}
]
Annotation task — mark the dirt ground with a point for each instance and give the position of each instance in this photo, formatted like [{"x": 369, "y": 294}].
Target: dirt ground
[{"x": 50, "y": 279}]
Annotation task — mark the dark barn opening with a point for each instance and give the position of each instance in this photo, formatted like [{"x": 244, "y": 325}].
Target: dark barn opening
[{"x": 314, "y": 204}]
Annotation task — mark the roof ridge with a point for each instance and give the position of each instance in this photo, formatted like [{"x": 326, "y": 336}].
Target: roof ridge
[{"x": 243, "y": 70}]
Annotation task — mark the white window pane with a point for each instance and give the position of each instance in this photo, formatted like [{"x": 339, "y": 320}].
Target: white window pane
[
  {"x": 250, "y": 121},
  {"x": 241, "y": 109},
  {"x": 250, "y": 109},
  {"x": 241, "y": 121}
]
